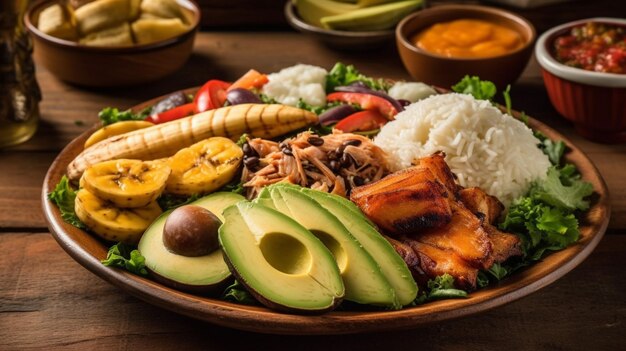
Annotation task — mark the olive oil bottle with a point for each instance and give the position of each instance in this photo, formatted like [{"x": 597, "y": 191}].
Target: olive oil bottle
[{"x": 19, "y": 91}]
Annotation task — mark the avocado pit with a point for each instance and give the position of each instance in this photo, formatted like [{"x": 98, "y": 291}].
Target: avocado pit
[{"x": 191, "y": 231}]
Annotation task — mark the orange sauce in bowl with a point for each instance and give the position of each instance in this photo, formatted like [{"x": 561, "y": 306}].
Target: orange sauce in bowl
[{"x": 468, "y": 38}]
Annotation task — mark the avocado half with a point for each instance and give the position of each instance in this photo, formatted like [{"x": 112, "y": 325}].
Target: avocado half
[
  {"x": 202, "y": 274},
  {"x": 280, "y": 263},
  {"x": 365, "y": 282}
]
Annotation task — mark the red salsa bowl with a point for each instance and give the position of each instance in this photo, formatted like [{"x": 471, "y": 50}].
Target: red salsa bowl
[{"x": 584, "y": 69}]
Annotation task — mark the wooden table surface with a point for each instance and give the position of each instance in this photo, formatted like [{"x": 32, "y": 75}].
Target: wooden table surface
[{"x": 48, "y": 301}]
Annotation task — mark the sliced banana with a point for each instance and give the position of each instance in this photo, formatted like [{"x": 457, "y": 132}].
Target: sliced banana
[
  {"x": 127, "y": 183},
  {"x": 204, "y": 167},
  {"x": 114, "y": 129},
  {"x": 113, "y": 223}
]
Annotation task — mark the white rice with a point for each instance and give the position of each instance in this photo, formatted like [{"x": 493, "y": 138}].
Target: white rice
[{"x": 483, "y": 146}]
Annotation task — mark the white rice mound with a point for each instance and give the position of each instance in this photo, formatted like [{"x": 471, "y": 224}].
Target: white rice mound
[{"x": 483, "y": 146}]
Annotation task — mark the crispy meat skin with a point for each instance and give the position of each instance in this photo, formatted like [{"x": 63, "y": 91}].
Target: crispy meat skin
[
  {"x": 503, "y": 245},
  {"x": 407, "y": 209},
  {"x": 436, "y": 163},
  {"x": 435, "y": 262},
  {"x": 478, "y": 201},
  {"x": 405, "y": 202},
  {"x": 464, "y": 236}
]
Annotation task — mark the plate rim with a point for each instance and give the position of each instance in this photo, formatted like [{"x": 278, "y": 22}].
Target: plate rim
[{"x": 260, "y": 319}]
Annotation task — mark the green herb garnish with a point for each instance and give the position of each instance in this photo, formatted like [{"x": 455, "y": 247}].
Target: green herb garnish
[
  {"x": 126, "y": 257},
  {"x": 110, "y": 115},
  {"x": 442, "y": 287},
  {"x": 342, "y": 74},
  {"x": 238, "y": 294},
  {"x": 64, "y": 197},
  {"x": 169, "y": 202},
  {"x": 479, "y": 89}
]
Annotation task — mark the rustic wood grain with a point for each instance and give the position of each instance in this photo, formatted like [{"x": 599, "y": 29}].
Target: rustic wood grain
[{"x": 48, "y": 301}]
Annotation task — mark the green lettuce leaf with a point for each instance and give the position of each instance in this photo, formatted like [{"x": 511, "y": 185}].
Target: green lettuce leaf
[
  {"x": 342, "y": 74},
  {"x": 441, "y": 287},
  {"x": 64, "y": 197},
  {"x": 110, "y": 115},
  {"x": 238, "y": 294},
  {"x": 570, "y": 197},
  {"x": 170, "y": 202},
  {"x": 553, "y": 149},
  {"x": 479, "y": 89},
  {"x": 545, "y": 218},
  {"x": 126, "y": 257}
]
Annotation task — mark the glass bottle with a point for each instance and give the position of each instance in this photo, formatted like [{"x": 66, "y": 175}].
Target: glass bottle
[{"x": 19, "y": 91}]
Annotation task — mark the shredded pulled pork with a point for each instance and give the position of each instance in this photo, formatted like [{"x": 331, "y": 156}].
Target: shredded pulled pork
[{"x": 333, "y": 163}]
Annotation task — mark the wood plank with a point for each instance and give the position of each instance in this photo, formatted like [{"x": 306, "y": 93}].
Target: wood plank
[
  {"x": 21, "y": 179},
  {"x": 47, "y": 301}
]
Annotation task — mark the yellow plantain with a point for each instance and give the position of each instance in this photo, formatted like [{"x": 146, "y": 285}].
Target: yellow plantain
[
  {"x": 115, "y": 129},
  {"x": 204, "y": 167},
  {"x": 113, "y": 223},
  {"x": 163, "y": 140},
  {"x": 127, "y": 183}
]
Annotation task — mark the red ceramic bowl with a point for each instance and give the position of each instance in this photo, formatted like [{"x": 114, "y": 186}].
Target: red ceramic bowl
[{"x": 594, "y": 101}]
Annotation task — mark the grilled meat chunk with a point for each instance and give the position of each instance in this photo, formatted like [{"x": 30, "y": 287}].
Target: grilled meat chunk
[
  {"x": 436, "y": 163},
  {"x": 435, "y": 262},
  {"x": 463, "y": 235},
  {"x": 503, "y": 245},
  {"x": 481, "y": 203},
  {"x": 405, "y": 202}
]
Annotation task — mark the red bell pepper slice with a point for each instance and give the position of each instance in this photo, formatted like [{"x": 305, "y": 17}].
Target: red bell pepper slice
[
  {"x": 172, "y": 114},
  {"x": 252, "y": 79},
  {"x": 212, "y": 95},
  {"x": 362, "y": 121},
  {"x": 366, "y": 101}
]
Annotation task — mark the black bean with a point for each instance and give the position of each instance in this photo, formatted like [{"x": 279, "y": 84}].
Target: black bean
[
  {"x": 353, "y": 142},
  {"x": 358, "y": 181},
  {"x": 249, "y": 150},
  {"x": 315, "y": 141},
  {"x": 251, "y": 162},
  {"x": 334, "y": 165},
  {"x": 287, "y": 151},
  {"x": 346, "y": 160},
  {"x": 333, "y": 155}
]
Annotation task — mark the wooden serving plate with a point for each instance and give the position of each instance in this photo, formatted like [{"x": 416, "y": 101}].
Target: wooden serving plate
[{"x": 87, "y": 250}]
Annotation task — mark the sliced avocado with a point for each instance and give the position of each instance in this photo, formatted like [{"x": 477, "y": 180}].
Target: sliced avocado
[
  {"x": 378, "y": 17},
  {"x": 391, "y": 264},
  {"x": 311, "y": 11},
  {"x": 280, "y": 262},
  {"x": 202, "y": 274},
  {"x": 362, "y": 276}
]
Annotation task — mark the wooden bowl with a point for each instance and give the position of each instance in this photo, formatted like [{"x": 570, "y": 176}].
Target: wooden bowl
[
  {"x": 338, "y": 39},
  {"x": 88, "y": 250},
  {"x": 111, "y": 66},
  {"x": 445, "y": 71}
]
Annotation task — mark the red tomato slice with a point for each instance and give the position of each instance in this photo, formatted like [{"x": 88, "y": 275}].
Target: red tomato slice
[
  {"x": 212, "y": 95},
  {"x": 172, "y": 114},
  {"x": 362, "y": 121},
  {"x": 252, "y": 79},
  {"x": 366, "y": 101}
]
